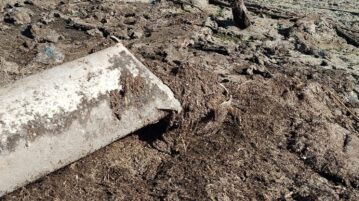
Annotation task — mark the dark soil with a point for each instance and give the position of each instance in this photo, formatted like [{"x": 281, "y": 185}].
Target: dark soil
[{"x": 266, "y": 114}]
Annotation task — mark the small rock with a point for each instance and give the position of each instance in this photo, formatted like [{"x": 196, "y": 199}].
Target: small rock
[
  {"x": 307, "y": 24},
  {"x": 29, "y": 44},
  {"x": 122, "y": 34},
  {"x": 257, "y": 59},
  {"x": 252, "y": 70},
  {"x": 43, "y": 34},
  {"x": 8, "y": 67},
  {"x": 352, "y": 98},
  {"x": 4, "y": 27},
  {"x": 46, "y": 20},
  {"x": 324, "y": 63},
  {"x": 80, "y": 24},
  {"x": 249, "y": 71},
  {"x": 49, "y": 17},
  {"x": 130, "y": 21},
  {"x": 45, "y": 4},
  {"x": 338, "y": 112},
  {"x": 18, "y": 16},
  {"x": 2, "y": 6},
  {"x": 200, "y": 3},
  {"x": 211, "y": 23},
  {"x": 135, "y": 33},
  {"x": 49, "y": 54},
  {"x": 95, "y": 32}
]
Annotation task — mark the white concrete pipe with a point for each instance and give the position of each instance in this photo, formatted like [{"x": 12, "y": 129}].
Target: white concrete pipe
[{"x": 53, "y": 118}]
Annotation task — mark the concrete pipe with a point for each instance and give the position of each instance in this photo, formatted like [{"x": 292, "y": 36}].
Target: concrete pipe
[{"x": 55, "y": 117}]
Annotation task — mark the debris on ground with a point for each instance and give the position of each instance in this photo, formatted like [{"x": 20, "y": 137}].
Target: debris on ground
[
  {"x": 269, "y": 112},
  {"x": 49, "y": 54}
]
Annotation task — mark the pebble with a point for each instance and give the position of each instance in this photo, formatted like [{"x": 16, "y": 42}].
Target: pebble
[
  {"x": 18, "y": 16},
  {"x": 49, "y": 54},
  {"x": 94, "y": 32},
  {"x": 8, "y": 67},
  {"x": 44, "y": 34},
  {"x": 200, "y": 3},
  {"x": 211, "y": 23},
  {"x": 135, "y": 33}
]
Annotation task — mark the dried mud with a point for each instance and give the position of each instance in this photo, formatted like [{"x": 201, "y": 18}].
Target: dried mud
[{"x": 269, "y": 113}]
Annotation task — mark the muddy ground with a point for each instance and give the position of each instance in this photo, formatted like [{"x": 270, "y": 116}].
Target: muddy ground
[{"x": 270, "y": 112}]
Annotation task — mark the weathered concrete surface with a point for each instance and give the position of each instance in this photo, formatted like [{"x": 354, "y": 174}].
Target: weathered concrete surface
[{"x": 53, "y": 118}]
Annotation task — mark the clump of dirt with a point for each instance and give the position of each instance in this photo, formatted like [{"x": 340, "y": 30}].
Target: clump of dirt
[{"x": 269, "y": 113}]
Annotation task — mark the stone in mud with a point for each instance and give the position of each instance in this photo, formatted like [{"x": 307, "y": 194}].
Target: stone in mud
[
  {"x": 8, "y": 67},
  {"x": 200, "y": 3},
  {"x": 135, "y": 33},
  {"x": 18, "y": 16},
  {"x": 45, "y": 4},
  {"x": 49, "y": 54},
  {"x": 43, "y": 34},
  {"x": 94, "y": 32},
  {"x": 211, "y": 23}
]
